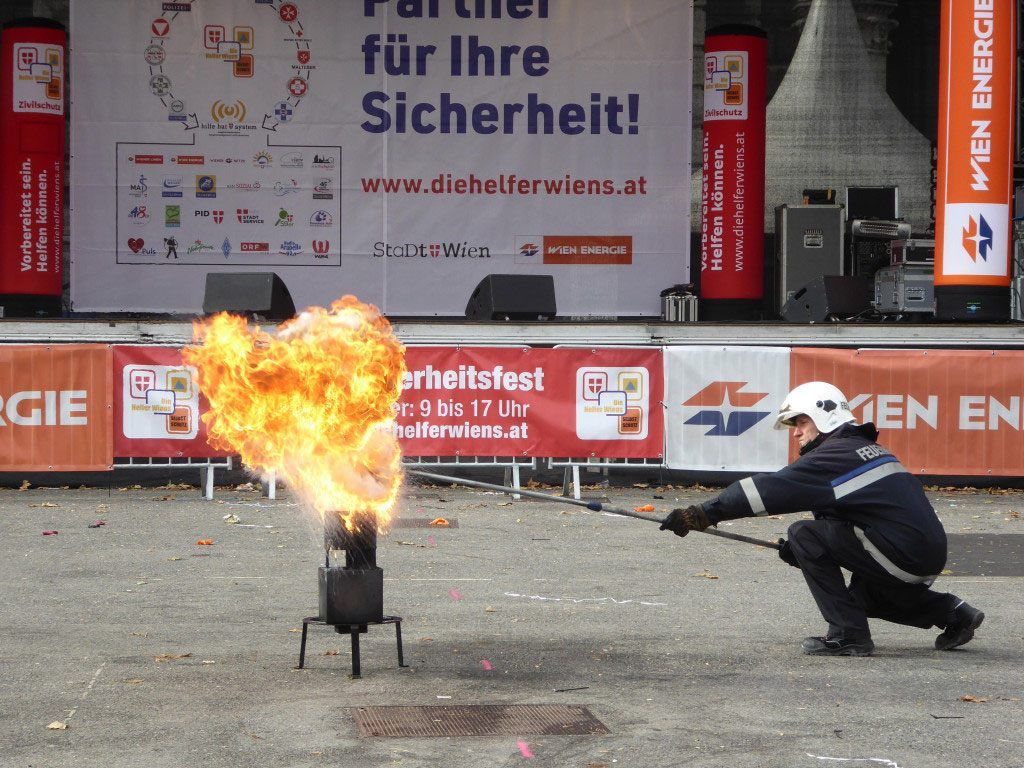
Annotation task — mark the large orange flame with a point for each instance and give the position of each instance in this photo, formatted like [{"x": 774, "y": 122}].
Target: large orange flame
[{"x": 313, "y": 403}]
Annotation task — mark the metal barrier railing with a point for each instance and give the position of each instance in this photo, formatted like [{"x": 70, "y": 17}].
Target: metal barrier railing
[
  {"x": 571, "y": 475},
  {"x": 512, "y": 465},
  {"x": 206, "y": 467}
]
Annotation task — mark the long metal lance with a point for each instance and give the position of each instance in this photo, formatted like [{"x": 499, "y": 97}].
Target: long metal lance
[{"x": 593, "y": 506}]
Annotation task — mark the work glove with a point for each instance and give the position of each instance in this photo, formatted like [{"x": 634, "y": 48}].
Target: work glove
[
  {"x": 786, "y": 553},
  {"x": 682, "y": 521}
]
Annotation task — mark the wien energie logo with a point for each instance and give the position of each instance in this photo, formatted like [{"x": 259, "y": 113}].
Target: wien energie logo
[
  {"x": 977, "y": 238},
  {"x": 725, "y": 408}
]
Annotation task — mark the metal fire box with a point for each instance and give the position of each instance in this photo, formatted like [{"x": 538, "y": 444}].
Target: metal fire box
[
  {"x": 351, "y": 595},
  {"x": 905, "y": 288}
]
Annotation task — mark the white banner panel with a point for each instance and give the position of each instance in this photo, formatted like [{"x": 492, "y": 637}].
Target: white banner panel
[
  {"x": 400, "y": 151},
  {"x": 720, "y": 406}
]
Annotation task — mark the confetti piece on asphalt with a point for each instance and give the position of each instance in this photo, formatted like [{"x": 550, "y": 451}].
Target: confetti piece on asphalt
[
  {"x": 644, "y": 508},
  {"x": 431, "y": 540},
  {"x": 524, "y": 749},
  {"x": 455, "y": 594},
  {"x": 205, "y": 542},
  {"x": 486, "y": 665},
  {"x": 49, "y": 533},
  {"x": 440, "y": 522}
]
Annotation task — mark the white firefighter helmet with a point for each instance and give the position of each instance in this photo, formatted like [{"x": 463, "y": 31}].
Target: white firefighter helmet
[{"x": 820, "y": 401}]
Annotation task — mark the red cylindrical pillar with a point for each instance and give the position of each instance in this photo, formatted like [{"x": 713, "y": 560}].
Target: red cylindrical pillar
[
  {"x": 732, "y": 188},
  {"x": 33, "y": 54},
  {"x": 975, "y": 164}
]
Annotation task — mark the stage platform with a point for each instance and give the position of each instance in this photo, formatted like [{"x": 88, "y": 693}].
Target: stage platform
[{"x": 178, "y": 331}]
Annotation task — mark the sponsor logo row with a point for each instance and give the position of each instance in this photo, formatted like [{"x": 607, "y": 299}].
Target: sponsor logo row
[
  {"x": 205, "y": 187},
  {"x": 547, "y": 249},
  {"x": 263, "y": 160},
  {"x": 142, "y": 214},
  {"x": 171, "y": 247}
]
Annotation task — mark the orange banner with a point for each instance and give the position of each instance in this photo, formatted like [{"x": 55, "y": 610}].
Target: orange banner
[
  {"x": 942, "y": 412},
  {"x": 975, "y": 151},
  {"x": 55, "y": 408}
]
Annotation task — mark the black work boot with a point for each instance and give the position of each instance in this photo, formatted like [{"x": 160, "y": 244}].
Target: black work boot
[
  {"x": 837, "y": 646},
  {"x": 963, "y": 620}
]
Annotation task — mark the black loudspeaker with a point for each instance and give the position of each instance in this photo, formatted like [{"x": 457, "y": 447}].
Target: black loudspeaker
[
  {"x": 513, "y": 297},
  {"x": 829, "y": 296},
  {"x": 256, "y": 294}
]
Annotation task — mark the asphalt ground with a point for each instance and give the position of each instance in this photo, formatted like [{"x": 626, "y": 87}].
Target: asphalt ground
[{"x": 155, "y": 651}]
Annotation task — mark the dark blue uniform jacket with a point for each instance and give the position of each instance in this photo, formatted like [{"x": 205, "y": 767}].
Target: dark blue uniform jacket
[{"x": 849, "y": 477}]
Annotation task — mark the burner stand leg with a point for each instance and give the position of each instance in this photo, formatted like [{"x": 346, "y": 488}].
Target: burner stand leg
[
  {"x": 355, "y": 653},
  {"x": 302, "y": 646},
  {"x": 398, "y": 639}
]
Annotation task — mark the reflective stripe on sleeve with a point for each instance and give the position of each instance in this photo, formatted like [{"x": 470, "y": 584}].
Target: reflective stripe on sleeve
[
  {"x": 891, "y": 568},
  {"x": 753, "y": 497},
  {"x": 864, "y": 479}
]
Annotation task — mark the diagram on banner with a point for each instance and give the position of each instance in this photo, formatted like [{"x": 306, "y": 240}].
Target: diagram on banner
[
  {"x": 233, "y": 45},
  {"x": 612, "y": 403},
  {"x": 229, "y": 74},
  {"x": 160, "y": 401}
]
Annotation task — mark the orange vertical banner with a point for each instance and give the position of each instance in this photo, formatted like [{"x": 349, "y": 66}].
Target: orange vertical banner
[
  {"x": 55, "y": 408},
  {"x": 975, "y": 158}
]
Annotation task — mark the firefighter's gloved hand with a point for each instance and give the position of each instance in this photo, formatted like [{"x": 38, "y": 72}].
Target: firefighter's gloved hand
[
  {"x": 786, "y": 553},
  {"x": 682, "y": 521}
]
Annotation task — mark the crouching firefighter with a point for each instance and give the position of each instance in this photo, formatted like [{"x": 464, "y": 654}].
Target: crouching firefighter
[{"x": 871, "y": 517}]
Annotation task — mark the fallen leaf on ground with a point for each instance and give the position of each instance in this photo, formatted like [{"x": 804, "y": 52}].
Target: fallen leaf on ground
[
  {"x": 205, "y": 542},
  {"x": 641, "y": 485},
  {"x": 332, "y": 653},
  {"x": 490, "y": 609},
  {"x": 974, "y": 699},
  {"x": 170, "y": 657},
  {"x": 25, "y": 485},
  {"x": 440, "y": 522},
  {"x": 644, "y": 508},
  {"x": 58, "y": 725},
  {"x": 172, "y": 559},
  {"x": 45, "y": 504},
  {"x": 166, "y": 498},
  {"x": 134, "y": 680},
  {"x": 705, "y": 575},
  {"x": 231, "y": 519},
  {"x": 410, "y": 544}
]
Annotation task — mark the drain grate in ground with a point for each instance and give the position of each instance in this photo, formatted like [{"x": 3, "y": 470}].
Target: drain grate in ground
[
  {"x": 477, "y": 720},
  {"x": 986, "y": 554},
  {"x": 422, "y": 522}
]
